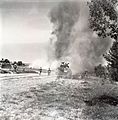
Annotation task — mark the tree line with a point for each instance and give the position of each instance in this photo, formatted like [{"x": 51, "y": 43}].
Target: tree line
[{"x": 7, "y": 61}]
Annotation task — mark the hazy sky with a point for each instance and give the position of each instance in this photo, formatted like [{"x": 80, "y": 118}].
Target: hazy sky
[{"x": 24, "y": 21}]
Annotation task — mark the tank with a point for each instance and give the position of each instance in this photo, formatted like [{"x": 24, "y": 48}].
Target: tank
[{"x": 63, "y": 71}]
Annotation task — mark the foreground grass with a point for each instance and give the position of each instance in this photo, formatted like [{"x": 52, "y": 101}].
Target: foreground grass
[
  {"x": 55, "y": 100},
  {"x": 58, "y": 100}
]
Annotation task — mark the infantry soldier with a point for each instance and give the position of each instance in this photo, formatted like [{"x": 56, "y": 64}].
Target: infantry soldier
[
  {"x": 40, "y": 70},
  {"x": 15, "y": 67},
  {"x": 49, "y": 71}
]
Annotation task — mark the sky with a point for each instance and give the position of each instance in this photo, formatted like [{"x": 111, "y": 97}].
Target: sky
[
  {"x": 25, "y": 29},
  {"x": 23, "y": 22}
]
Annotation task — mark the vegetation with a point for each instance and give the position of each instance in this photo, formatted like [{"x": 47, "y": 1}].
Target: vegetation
[
  {"x": 100, "y": 71},
  {"x": 104, "y": 21}
]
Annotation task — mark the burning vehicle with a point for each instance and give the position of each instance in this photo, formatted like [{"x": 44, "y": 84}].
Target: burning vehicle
[{"x": 63, "y": 71}]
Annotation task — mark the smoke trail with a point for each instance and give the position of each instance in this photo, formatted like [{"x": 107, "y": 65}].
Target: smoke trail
[{"x": 75, "y": 41}]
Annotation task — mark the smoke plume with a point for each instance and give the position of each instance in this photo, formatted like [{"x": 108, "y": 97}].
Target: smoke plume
[
  {"x": 64, "y": 16},
  {"x": 75, "y": 42}
]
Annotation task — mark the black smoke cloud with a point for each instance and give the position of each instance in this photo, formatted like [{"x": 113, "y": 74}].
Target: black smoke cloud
[
  {"x": 75, "y": 42},
  {"x": 64, "y": 16}
]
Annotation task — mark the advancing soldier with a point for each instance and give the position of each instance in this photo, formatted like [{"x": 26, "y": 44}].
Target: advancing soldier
[
  {"x": 49, "y": 71},
  {"x": 40, "y": 70},
  {"x": 15, "y": 67}
]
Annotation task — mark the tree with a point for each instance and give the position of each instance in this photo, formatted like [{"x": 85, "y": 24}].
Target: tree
[
  {"x": 103, "y": 18},
  {"x": 112, "y": 58},
  {"x": 19, "y": 63},
  {"x": 100, "y": 71},
  {"x": 104, "y": 21},
  {"x": 14, "y": 62},
  {"x": 6, "y": 61},
  {"x": 2, "y": 60}
]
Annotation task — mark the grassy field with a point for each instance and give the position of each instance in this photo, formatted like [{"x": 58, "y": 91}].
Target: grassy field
[{"x": 34, "y": 97}]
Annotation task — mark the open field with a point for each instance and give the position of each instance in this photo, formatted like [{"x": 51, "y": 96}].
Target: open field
[{"x": 34, "y": 97}]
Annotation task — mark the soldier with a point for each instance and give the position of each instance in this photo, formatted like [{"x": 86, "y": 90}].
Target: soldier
[
  {"x": 40, "y": 70},
  {"x": 49, "y": 71},
  {"x": 61, "y": 68},
  {"x": 15, "y": 67}
]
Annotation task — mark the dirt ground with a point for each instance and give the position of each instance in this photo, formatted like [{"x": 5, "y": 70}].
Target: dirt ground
[{"x": 34, "y": 97}]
